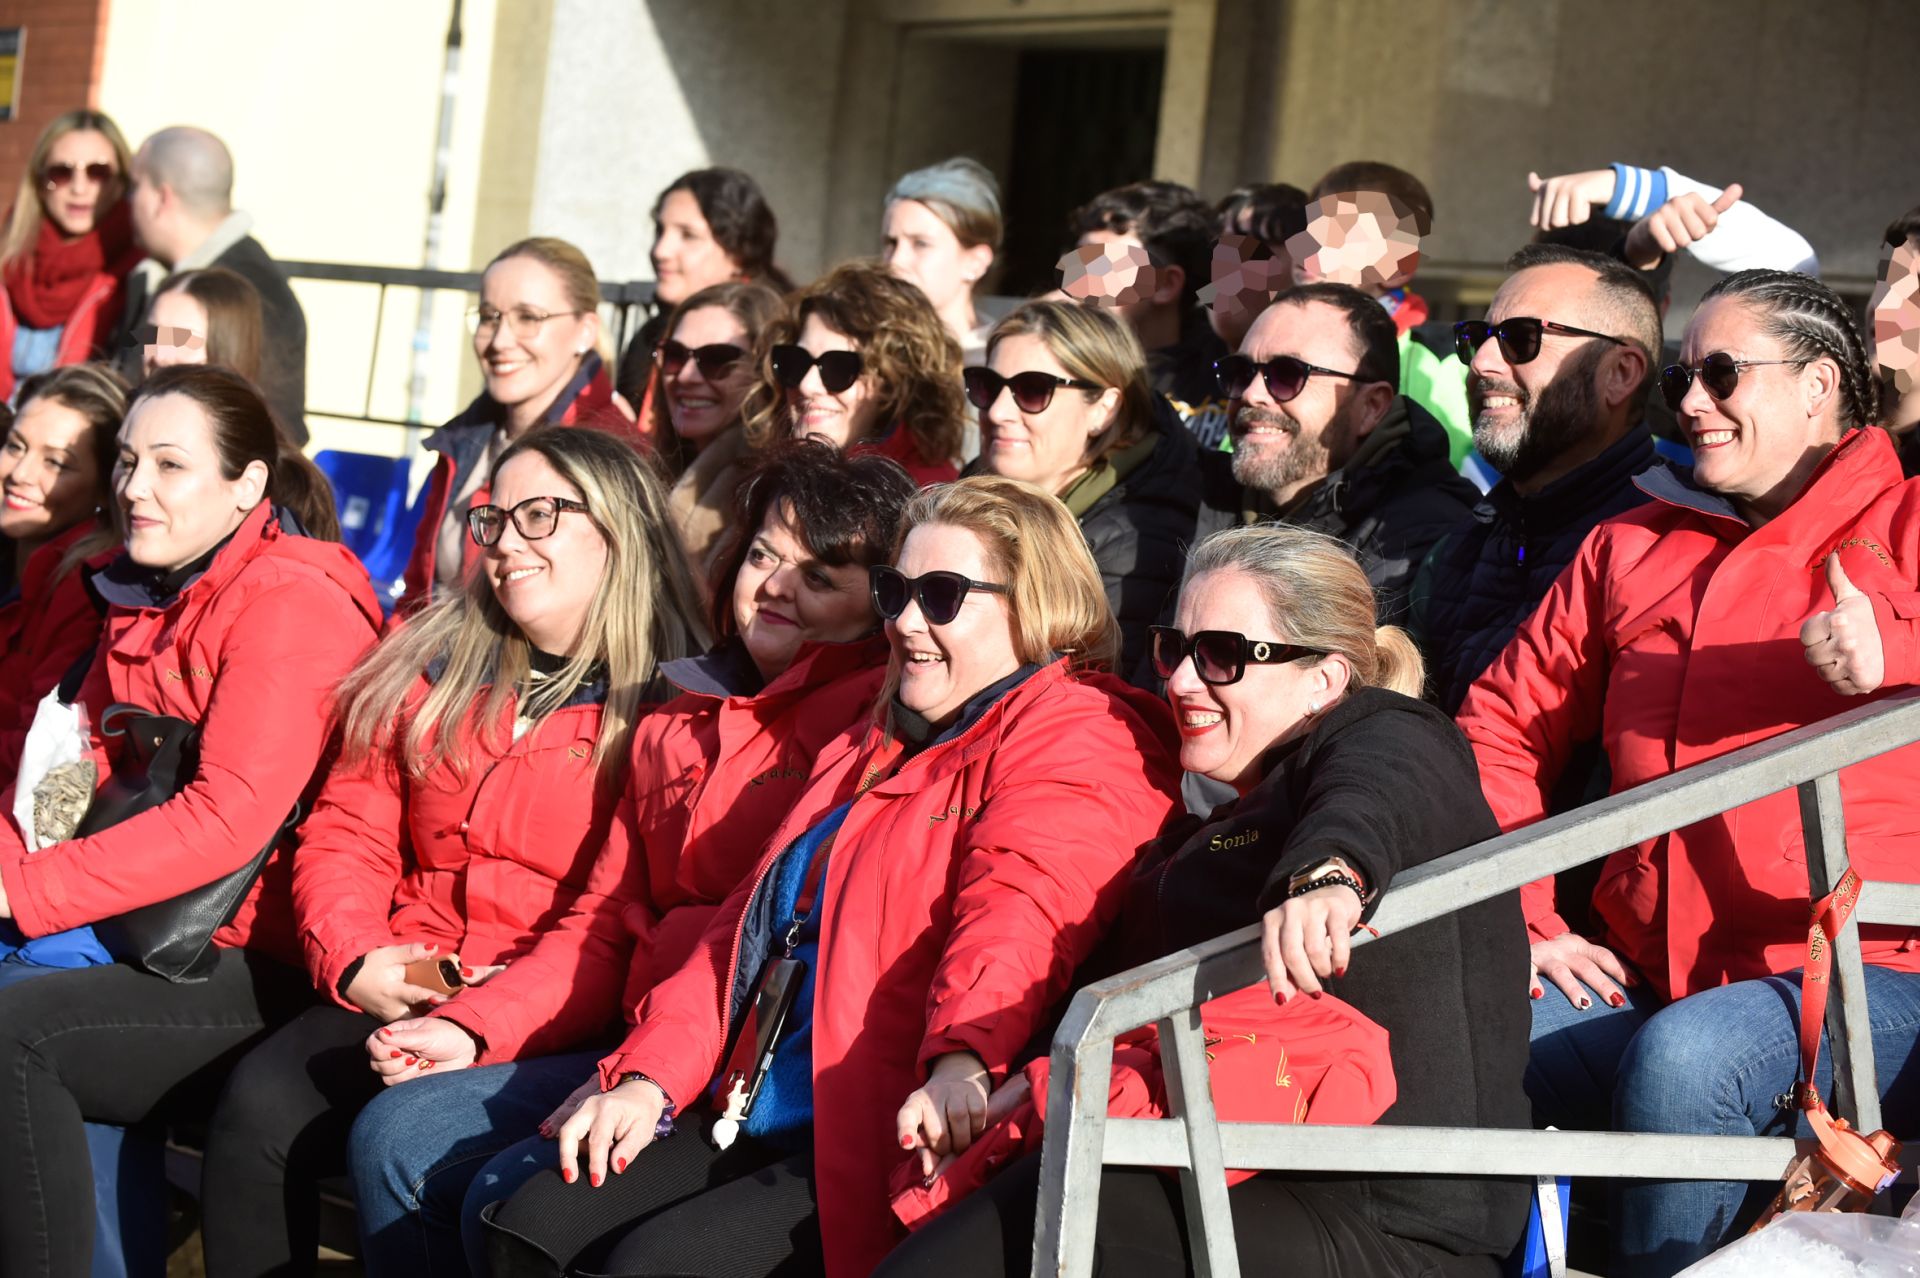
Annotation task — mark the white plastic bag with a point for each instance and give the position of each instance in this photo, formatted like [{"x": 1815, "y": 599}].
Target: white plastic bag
[
  {"x": 1809, "y": 1244},
  {"x": 58, "y": 737}
]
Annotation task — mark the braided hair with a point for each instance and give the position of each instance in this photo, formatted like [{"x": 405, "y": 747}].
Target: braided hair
[{"x": 1809, "y": 320}]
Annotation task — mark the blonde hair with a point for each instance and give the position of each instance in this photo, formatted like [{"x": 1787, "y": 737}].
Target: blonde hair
[
  {"x": 575, "y": 273},
  {"x": 645, "y": 612},
  {"x": 1094, "y": 345},
  {"x": 1319, "y": 599},
  {"x": 23, "y": 227}
]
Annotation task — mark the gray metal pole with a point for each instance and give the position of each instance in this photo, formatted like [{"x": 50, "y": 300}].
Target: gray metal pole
[{"x": 436, "y": 208}]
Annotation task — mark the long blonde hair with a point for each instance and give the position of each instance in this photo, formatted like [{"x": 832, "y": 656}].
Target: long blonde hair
[
  {"x": 645, "y": 612},
  {"x": 1319, "y": 598},
  {"x": 23, "y": 227}
]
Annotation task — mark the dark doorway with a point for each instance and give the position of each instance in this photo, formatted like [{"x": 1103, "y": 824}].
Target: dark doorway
[{"x": 1085, "y": 121}]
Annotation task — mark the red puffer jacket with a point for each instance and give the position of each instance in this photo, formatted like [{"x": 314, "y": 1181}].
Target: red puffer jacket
[
  {"x": 961, "y": 893},
  {"x": 250, "y": 650},
  {"x": 899, "y": 445},
  {"x": 482, "y": 864},
  {"x": 1674, "y": 637},
  {"x": 50, "y": 625},
  {"x": 714, "y": 771}
]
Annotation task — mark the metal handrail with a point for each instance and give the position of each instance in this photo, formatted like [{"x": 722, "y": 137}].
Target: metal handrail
[{"x": 1080, "y": 1138}]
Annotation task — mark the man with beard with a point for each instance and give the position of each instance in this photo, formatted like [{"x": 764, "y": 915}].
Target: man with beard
[
  {"x": 1557, "y": 383},
  {"x": 1322, "y": 441}
]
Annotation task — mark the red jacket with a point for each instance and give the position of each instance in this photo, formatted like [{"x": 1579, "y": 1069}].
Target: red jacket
[
  {"x": 250, "y": 651},
  {"x": 714, "y": 772},
  {"x": 51, "y": 624},
  {"x": 483, "y": 864},
  {"x": 899, "y": 445},
  {"x": 86, "y": 330},
  {"x": 961, "y": 893},
  {"x": 1674, "y": 638}
]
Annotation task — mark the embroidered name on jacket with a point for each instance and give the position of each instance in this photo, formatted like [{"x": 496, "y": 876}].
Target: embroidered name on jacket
[
  {"x": 778, "y": 774},
  {"x": 197, "y": 672},
  {"x": 1225, "y": 842},
  {"x": 954, "y": 811}
]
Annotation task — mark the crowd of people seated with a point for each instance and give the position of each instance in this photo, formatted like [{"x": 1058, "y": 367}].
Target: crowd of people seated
[{"x": 786, "y": 713}]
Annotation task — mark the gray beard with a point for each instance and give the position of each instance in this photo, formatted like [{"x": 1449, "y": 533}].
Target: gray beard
[
  {"x": 1306, "y": 458},
  {"x": 1551, "y": 424}
]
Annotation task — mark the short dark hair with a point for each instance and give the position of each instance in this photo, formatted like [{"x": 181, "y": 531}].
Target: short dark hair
[
  {"x": 1903, "y": 228},
  {"x": 1373, "y": 175},
  {"x": 1172, "y": 221},
  {"x": 1809, "y": 320},
  {"x": 845, "y": 509},
  {"x": 737, "y": 213},
  {"x": 1275, "y": 211},
  {"x": 1368, "y": 324},
  {"x": 1625, "y": 294},
  {"x": 1608, "y": 236}
]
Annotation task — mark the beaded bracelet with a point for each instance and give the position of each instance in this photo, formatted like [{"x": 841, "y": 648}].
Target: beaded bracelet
[{"x": 1338, "y": 878}]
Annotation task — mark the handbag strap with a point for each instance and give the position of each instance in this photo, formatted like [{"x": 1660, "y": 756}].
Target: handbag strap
[{"x": 1830, "y": 914}]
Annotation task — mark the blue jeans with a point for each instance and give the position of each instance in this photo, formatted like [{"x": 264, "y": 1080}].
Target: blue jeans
[
  {"x": 1716, "y": 1063},
  {"x": 430, "y": 1153}
]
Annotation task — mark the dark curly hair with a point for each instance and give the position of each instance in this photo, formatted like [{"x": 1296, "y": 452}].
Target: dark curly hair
[
  {"x": 1809, "y": 320},
  {"x": 737, "y": 213}
]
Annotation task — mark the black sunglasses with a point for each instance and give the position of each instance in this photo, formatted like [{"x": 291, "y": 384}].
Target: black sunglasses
[
  {"x": 1519, "y": 337},
  {"x": 536, "y": 517},
  {"x": 1285, "y": 376},
  {"x": 1032, "y": 391},
  {"x": 838, "y": 369},
  {"x": 1718, "y": 372},
  {"x": 940, "y": 593},
  {"x": 714, "y": 361},
  {"x": 63, "y": 174},
  {"x": 1219, "y": 656}
]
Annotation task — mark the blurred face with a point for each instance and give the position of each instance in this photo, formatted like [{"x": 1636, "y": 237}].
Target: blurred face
[
  {"x": 783, "y": 597},
  {"x": 698, "y": 406},
  {"x": 923, "y": 250},
  {"x": 1526, "y": 415},
  {"x": 942, "y": 667},
  {"x": 686, "y": 257},
  {"x": 146, "y": 201},
  {"x": 840, "y": 419},
  {"x": 1279, "y": 445},
  {"x": 1361, "y": 238},
  {"x": 71, "y": 189},
  {"x": 1047, "y": 448},
  {"x": 527, "y": 339},
  {"x": 1226, "y": 728},
  {"x": 176, "y": 502},
  {"x": 1247, "y": 274},
  {"x": 180, "y": 337},
  {"x": 546, "y": 585},
  {"x": 1112, "y": 270},
  {"x": 49, "y": 481},
  {"x": 1895, "y": 311}
]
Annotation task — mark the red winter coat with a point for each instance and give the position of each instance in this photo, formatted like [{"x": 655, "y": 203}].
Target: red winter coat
[
  {"x": 85, "y": 333},
  {"x": 51, "y": 624},
  {"x": 484, "y": 865},
  {"x": 1674, "y": 637},
  {"x": 960, "y": 895},
  {"x": 713, "y": 774},
  {"x": 899, "y": 445},
  {"x": 250, "y": 651}
]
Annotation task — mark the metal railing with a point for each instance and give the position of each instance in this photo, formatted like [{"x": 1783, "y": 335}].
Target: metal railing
[{"x": 1081, "y": 1139}]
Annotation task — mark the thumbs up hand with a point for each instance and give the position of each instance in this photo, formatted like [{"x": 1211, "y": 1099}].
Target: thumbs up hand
[
  {"x": 1843, "y": 643},
  {"x": 1674, "y": 225}
]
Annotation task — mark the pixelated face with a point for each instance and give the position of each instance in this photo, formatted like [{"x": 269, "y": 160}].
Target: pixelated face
[
  {"x": 1367, "y": 239},
  {"x": 1895, "y": 309},
  {"x": 1246, "y": 277},
  {"x": 1110, "y": 270}
]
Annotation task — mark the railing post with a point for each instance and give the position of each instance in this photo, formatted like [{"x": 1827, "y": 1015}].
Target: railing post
[
  {"x": 1203, "y": 1182},
  {"x": 1856, "y": 1089},
  {"x": 1075, "y": 1144}
]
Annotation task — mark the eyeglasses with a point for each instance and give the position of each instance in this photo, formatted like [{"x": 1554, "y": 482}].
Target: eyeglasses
[
  {"x": 713, "y": 361},
  {"x": 168, "y": 335},
  {"x": 536, "y": 517},
  {"x": 1219, "y": 656},
  {"x": 1718, "y": 372},
  {"x": 59, "y": 175},
  {"x": 940, "y": 593},
  {"x": 525, "y": 322},
  {"x": 1284, "y": 375},
  {"x": 1519, "y": 337},
  {"x": 838, "y": 369},
  {"x": 1032, "y": 391}
]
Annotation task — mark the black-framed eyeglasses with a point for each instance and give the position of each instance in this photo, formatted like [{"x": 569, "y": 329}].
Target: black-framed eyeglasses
[
  {"x": 1032, "y": 390},
  {"x": 1519, "y": 337},
  {"x": 525, "y": 322},
  {"x": 940, "y": 594},
  {"x": 1219, "y": 656},
  {"x": 1284, "y": 375},
  {"x": 59, "y": 175},
  {"x": 714, "y": 361},
  {"x": 838, "y": 369},
  {"x": 536, "y": 517},
  {"x": 1718, "y": 372}
]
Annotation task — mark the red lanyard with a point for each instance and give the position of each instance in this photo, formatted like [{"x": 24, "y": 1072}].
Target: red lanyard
[{"x": 1830, "y": 914}]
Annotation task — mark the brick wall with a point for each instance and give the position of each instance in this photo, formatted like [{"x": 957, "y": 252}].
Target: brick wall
[{"x": 60, "y": 71}]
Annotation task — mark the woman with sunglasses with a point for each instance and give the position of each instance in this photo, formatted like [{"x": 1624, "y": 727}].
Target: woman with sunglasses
[
  {"x": 536, "y": 333},
  {"x": 946, "y": 869},
  {"x": 484, "y": 747},
  {"x": 66, "y": 248},
  {"x": 863, "y": 361},
  {"x": 1065, "y": 405},
  {"x": 1770, "y": 590},
  {"x": 713, "y": 772},
  {"x": 1286, "y": 691}
]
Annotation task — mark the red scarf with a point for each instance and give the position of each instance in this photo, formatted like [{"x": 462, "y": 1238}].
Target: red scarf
[{"x": 46, "y": 284}]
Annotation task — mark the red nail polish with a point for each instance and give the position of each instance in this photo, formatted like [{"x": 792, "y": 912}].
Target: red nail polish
[
  {"x": 1340, "y": 971},
  {"x": 395, "y": 1055},
  {"x": 428, "y": 1065},
  {"x": 467, "y": 972},
  {"x": 596, "y": 1180},
  {"x": 619, "y": 1164},
  {"x": 412, "y": 1061},
  {"x": 567, "y": 1174},
  {"x": 1535, "y": 993},
  {"x": 1280, "y": 999},
  {"x": 1618, "y": 1000},
  {"x": 906, "y": 1142}
]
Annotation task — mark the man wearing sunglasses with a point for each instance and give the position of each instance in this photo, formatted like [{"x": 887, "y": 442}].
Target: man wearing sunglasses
[{"x": 1557, "y": 380}]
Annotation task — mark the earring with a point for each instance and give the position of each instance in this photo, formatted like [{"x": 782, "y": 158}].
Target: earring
[{"x": 1313, "y": 709}]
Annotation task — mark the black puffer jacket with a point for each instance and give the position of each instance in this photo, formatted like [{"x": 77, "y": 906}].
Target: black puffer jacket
[
  {"x": 1483, "y": 580},
  {"x": 1391, "y": 503}
]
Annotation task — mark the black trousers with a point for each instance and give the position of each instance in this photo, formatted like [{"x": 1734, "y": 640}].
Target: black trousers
[
  {"x": 111, "y": 1045},
  {"x": 1279, "y": 1227},
  {"x": 682, "y": 1210},
  {"x": 280, "y": 1127}
]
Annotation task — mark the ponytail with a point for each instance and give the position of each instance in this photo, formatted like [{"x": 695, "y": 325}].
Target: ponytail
[
  {"x": 1400, "y": 669},
  {"x": 302, "y": 488}
]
